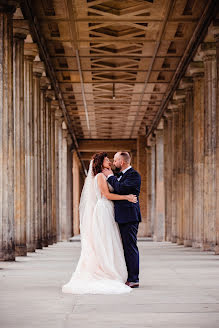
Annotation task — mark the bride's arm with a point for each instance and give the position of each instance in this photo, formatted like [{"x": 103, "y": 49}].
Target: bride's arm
[{"x": 101, "y": 180}]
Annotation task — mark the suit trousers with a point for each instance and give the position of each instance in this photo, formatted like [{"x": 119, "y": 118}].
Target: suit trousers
[{"x": 128, "y": 233}]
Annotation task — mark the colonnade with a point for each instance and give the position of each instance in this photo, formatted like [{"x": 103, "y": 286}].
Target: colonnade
[
  {"x": 35, "y": 147},
  {"x": 183, "y": 157}
]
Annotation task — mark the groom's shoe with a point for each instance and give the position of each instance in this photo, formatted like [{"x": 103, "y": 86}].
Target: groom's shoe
[{"x": 132, "y": 284}]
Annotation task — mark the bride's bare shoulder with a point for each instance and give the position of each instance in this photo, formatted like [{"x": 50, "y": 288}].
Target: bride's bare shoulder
[{"x": 100, "y": 176}]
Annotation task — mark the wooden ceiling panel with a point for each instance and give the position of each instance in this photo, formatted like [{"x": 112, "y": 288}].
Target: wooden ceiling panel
[{"x": 114, "y": 60}]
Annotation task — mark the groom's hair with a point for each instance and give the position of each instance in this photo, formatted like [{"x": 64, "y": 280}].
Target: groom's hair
[{"x": 125, "y": 156}]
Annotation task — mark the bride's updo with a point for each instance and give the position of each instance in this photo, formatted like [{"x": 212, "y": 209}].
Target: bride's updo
[{"x": 98, "y": 162}]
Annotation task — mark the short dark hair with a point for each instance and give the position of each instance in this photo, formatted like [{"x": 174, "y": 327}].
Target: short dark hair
[
  {"x": 98, "y": 159},
  {"x": 126, "y": 157}
]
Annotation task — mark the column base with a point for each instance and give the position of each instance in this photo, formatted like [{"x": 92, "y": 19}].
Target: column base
[
  {"x": 7, "y": 255},
  {"x": 45, "y": 243},
  {"x": 50, "y": 241},
  {"x": 20, "y": 250},
  {"x": 208, "y": 246},
  {"x": 180, "y": 241},
  {"x": 39, "y": 244},
  {"x": 188, "y": 243},
  {"x": 216, "y": 250},
  {"x": 158, "y": 239},
  {"x": 173, "y": 239},
  {"x": 31, "y": 248},
  {"x": 196, "y": 244}
]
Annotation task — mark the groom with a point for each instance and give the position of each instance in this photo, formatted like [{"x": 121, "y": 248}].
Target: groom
[{"x": 127, "y": 214}]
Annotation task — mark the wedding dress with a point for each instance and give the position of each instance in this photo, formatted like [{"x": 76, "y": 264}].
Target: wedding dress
[{"x": 101, "y": 268}]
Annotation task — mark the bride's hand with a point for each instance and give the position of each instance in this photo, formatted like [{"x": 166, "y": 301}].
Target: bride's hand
[{"x": 132, "y": 198}]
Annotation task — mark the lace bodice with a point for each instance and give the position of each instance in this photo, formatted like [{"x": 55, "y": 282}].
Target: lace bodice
[{"x": 98, "y": 192}]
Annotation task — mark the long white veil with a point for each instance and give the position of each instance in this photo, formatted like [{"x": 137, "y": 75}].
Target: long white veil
[{"x": 88, "y": 201}]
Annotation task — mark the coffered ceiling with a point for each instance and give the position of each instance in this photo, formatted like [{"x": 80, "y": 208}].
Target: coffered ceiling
[{"x": 116, "y": 61}]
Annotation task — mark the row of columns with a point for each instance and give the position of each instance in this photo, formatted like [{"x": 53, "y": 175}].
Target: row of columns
[
  {"x": 35, "y": 148},
  {"x": 183, "y": 158}
]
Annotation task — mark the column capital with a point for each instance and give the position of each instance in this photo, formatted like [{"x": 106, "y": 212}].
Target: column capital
[
  {"x": 30, "y": 51},
  {"x": 44, "y": 83},
  {"x": 151, "y": 140},
  {"x": 20, "y": 28},
  {"x": 168, "y": 114},
  {"x": 64, "y": 126},
  {"x": 59, "y": 116},
  {"x": 173, "y": 106},
  {"x": 160, "y": 125},
  {"x": 54, "y": 105},
  {"x": 179, "y": 95},
  {"x": 38, "y": 68},
  {"x": 208, "y": 51},
  {"x": 196, "y": 69},
  {"x": 69, "y": 139},
  {"x": 186, "y": 83},
  {"x": 50, "y": 95}
]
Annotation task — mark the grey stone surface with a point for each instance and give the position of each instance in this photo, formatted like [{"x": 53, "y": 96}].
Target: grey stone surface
[{"x": 179, "y": 288}]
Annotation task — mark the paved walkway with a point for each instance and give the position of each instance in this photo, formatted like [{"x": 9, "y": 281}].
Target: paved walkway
[{"x": 179, "y": 288}]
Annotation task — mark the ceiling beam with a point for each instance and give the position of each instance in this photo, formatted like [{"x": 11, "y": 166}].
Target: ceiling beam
[{"x": 113, "y": 145}]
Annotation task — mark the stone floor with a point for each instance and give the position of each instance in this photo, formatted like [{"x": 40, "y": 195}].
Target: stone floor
[{"x": 179, "y": 288}]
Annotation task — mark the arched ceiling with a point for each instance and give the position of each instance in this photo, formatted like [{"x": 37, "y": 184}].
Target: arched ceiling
[{"x": 116, "y": 61}]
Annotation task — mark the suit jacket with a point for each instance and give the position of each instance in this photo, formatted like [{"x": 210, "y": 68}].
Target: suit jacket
[{"x": 130, "y": 183}]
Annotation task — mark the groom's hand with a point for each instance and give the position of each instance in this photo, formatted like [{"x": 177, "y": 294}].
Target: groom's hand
[{"x": 107, "y": 172}]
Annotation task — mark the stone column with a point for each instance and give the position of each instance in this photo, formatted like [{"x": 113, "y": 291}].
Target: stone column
[
  {"x": 64, "y": 182},
  {"x": 142, "y": 169},
  {"x": 168, "y": 172},
  {"x": 215, "y": 32},
  {"x": 153, "y": 184},
  {"x": 187, "y": 85},
  {"x": 179, "y": 96},
  {"x": 70, "y": 184},
  {"x": 44, "y": 82},
  {"x": 208, "y": 51},
  {"x": 20, "y": 31},
  {"x": 54, "y": 108},
  {"x": 133, "y": 154},
  {"x": 30, "y": 51},
  {"x": 173, "y": 107},
  {"x": 159, "y": 224},
  {"x": 76, "y": 187},
  {"x": 196, "y": 69},
  {"x": 49, "y": 97},
  {"x": 7, "y": 242},
  {"x": 58, "y": 132},
  {"x": 38, "y": 69},
  {"x": 149, "y": 190},
  {"x": 60, "y": 178}
]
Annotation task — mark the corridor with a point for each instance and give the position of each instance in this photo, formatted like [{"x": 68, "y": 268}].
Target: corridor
[
  {"x": 179, "y": 288},
  {"x": 79, "y": 77}
]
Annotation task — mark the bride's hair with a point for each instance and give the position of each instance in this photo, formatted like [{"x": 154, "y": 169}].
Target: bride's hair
[{"x": 98, "y": 162}]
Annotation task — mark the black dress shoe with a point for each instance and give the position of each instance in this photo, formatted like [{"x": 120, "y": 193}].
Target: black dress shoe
[{"x": 132, "y": 284}]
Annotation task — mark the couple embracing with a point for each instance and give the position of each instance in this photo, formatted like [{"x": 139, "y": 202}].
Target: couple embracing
[{"x": 109, "y": 219}]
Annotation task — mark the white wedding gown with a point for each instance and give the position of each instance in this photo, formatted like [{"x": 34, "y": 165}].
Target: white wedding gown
[{"x": 101, "y": 268}]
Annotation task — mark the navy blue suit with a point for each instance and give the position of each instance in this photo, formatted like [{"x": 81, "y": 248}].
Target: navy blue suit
[{"x": 128, "y": 216}]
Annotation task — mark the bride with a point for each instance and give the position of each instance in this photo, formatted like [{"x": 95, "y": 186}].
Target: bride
[{"x": 101, "y": 268}]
